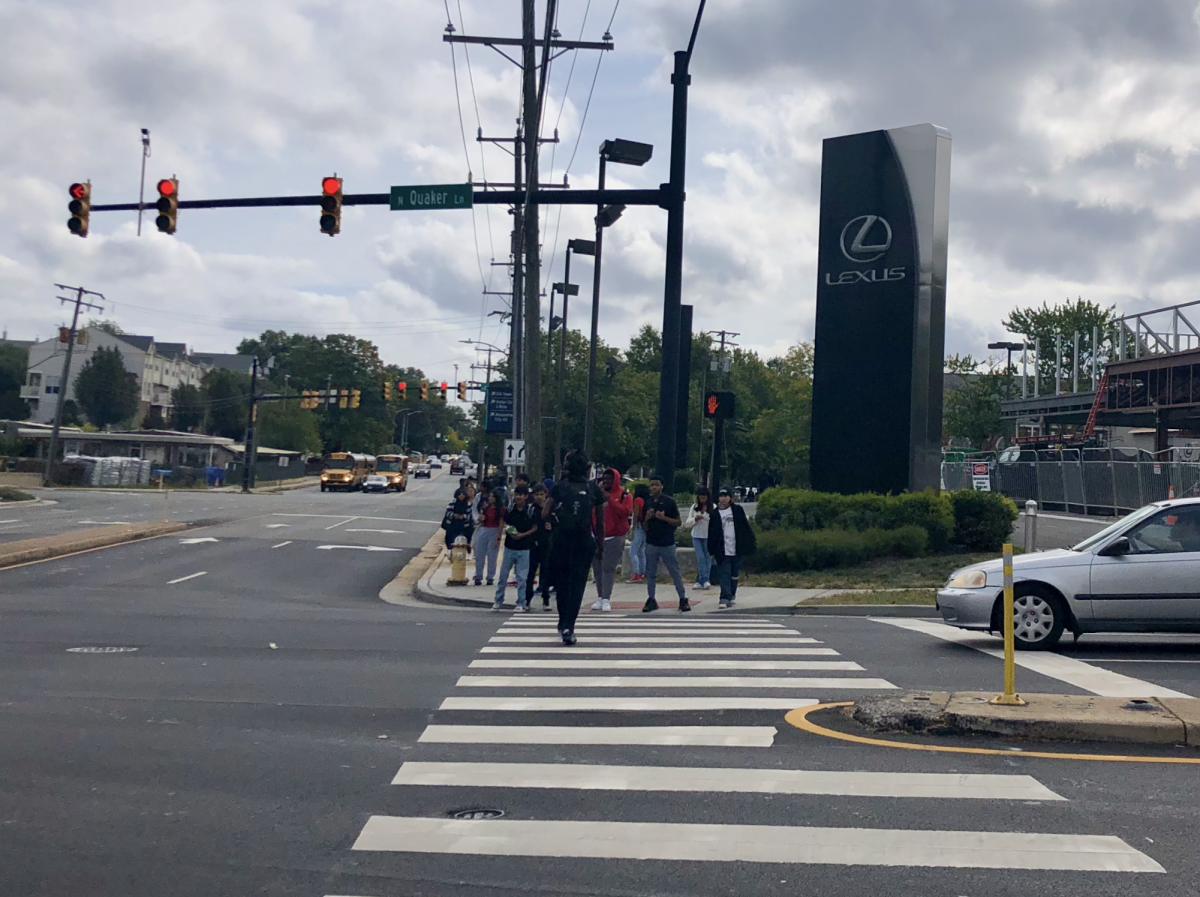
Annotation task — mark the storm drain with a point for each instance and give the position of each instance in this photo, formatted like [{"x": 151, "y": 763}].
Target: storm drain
[
  {"x": 101, "y": 649},
  {"x": 476, "y": 813}
]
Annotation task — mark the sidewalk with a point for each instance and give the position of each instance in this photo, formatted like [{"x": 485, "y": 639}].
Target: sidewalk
[
  {"x": 45, "y": 547},
  {"x": 627, "y": 597}
]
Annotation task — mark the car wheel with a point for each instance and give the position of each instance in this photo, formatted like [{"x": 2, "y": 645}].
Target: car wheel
[{"x": 1038, "y": 620}]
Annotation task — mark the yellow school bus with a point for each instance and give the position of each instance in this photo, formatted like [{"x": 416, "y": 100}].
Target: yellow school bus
[
  {"x": 395, "y": 468},
  {"x": 346, "y": 471}
]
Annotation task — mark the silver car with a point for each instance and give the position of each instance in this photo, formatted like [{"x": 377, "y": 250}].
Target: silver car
[{"x": 1142, "y": 574}]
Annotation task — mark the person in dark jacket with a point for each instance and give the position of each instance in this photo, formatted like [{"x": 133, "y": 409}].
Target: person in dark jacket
[
  {"x": 730, "y": 540},
  {"x": 457, "y": 520},
  {"x": 539, "y": 552}
]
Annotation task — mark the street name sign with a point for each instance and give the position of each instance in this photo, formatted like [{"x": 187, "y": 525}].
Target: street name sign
[
  {"x": 514, "y": 452},
  {"x": 432, "y": 196},
  {"x": 499, "y": 408}
]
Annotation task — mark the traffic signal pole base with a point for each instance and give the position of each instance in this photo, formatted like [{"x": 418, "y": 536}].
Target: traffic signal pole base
[{"x": 1008, "y": 701}]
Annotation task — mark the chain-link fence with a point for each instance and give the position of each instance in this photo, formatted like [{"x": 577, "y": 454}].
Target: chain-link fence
[{"x": 1083, "y": 481}]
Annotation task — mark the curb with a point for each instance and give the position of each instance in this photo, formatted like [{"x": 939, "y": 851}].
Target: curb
[
  {"x": 1079, "y": 718},
  {"x": 405, "y": 586},
  {"x": 48, "y": 547},
  {"x": 865, "y": 610},
  {"x": 424, "y": 592}
]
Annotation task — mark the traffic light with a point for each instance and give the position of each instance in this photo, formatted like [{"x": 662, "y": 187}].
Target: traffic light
[
  {"x": 424, "y": 391},
  {"x": 718, "y": 405},
  {"x": 387, "y": 390},
  {"x": 355, "y": 397},
  {"x": 80, "y": 208},
  {"x": 442, "y": 391},
  {"x": 167, "y": 205},
  {"x": 401, "y": 390},
  {"x": 462, "y": 390},
  {"x": 343, "y": 398},
  {"x": 331, "y": 205},
  {"x": 306, "y": 397}
]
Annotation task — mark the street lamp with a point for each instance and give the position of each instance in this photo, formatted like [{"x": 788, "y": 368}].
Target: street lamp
[
  {"x": 568, "y": 289},
  {"x": 1010, "y": 347},
  {"x": 623, "y": 152}
]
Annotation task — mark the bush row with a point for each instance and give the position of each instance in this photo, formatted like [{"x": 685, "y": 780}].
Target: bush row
[
  {"x": 803, "y": 509},
  {"x": 983, "y": 521},
  {"x": 794, "y": 549}
]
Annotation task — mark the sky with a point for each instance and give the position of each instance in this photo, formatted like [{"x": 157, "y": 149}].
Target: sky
[{"x": 1075, "y": 126}]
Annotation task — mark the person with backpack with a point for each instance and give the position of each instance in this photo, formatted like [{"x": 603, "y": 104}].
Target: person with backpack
[
  {"x": 730, "y": 539},
  {"x": 637, "y": 542},
  {"x": 538, "y": 568},
  {"x": 457, "y": 519},
  {"x": 660, "y": 520},
  {"x": 575, "y": 504},
  {"x": 520, "y": 526},
  {"x": 615, "y": 525},
  {"x": 697, "y": 522}
]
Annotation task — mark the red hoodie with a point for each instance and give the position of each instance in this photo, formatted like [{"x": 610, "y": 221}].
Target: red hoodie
[{"x": 618, "y": 508}]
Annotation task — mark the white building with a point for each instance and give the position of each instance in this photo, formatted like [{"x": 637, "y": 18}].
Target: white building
[{"x": 159, "y": 368}]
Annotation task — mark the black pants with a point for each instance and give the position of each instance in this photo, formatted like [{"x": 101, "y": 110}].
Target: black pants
[
  {"x": 570, "y": 560},
  {"x": 537, "y": 562}
]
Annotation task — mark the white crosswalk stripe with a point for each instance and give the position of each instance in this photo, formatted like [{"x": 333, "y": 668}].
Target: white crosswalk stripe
[{"x": 725, "y": 667}]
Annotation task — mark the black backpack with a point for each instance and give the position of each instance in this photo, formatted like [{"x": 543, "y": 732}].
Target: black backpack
[{"x": 574, "y": 508}]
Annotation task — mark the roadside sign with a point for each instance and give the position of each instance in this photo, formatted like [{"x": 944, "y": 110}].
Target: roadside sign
[
  {"x": 432, "y": 196},
  {"x": 514, "y": 452},
  {"x": 979, "y": 470},
  {"x": 498, "y": 408},
  {"x": 981, "y": 484},
  {"x": 1158, "y": 470}
]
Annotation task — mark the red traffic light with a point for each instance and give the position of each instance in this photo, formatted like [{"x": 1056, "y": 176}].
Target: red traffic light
[
  {"x": 330, "y": 186},
  {"x": 166, "y": 187},
  {"x": 78, "y": 191},
  {"x": 400, "y": 384},
  {"x": 443, "y": 386}
]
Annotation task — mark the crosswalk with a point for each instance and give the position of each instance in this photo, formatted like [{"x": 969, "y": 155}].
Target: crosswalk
[{"x": 607, "y": 708}]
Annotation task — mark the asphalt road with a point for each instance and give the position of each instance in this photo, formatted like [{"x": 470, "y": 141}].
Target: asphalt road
[{"x": 250, "y": 743}]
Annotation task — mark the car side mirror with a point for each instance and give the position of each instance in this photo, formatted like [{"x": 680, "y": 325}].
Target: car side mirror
[{"x": 1118, "y": 548}]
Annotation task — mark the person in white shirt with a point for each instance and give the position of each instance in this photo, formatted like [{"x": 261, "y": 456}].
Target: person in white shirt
[
  {"x": 697, "y": 522},
  {"x": 730, "y": 540}
]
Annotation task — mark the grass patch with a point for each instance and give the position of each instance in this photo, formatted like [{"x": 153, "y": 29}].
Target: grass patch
[
  {"x": 919, "y": 597},
  {"x": 11, "y": 493},
  {"x": 882, "y": 573}
]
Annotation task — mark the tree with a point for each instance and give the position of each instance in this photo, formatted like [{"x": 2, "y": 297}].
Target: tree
[
  {"x": 285, "y": 425},
  {"x": 107, "y": 326},
  {"x": 226, "y": 395},
  {"x": 105, "y": 390},
  {"x": 154, "y": 419},
  {"x": 1047, "y": 323},
  {"x": 972, "y": 412},
  {"x": 13, "y": 362},
  {"x": 187, "y": 408}
]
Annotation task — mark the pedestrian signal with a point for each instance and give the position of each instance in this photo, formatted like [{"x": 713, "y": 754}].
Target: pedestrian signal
[
  {"x": 331, "y": 205},
  {"x": 401, "y": 390},
  {"x": 167, "y": 205},
  {"x": 718, "y": 405},
  {"x": 462, "y": 390},
  {"x": 424, "y": 391},
  {"x": 355, "y": 397},
  {"x": 80, "y": 208}
]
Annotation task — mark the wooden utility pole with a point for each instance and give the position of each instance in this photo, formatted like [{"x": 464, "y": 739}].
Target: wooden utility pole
[{"x": 65, "y": 380}]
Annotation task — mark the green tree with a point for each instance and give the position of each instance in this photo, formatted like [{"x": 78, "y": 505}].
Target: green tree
[
  {"x": 1044, "y": 325},
  {"x": 13, "y": 362},
  {"x": 971, "y": 413},
  {"x": 187, "y": 407},
  {"x": 226, "y": 396},
  {"x": 285, "y": 425},
  {"x": 104, "y": 324},
  {"x": 105, "y": 390}
]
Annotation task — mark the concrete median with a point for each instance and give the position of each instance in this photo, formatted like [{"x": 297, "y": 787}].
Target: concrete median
[{"x": 45, "y": 547}]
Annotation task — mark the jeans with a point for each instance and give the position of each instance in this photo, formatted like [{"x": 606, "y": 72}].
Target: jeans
[
  {"x": 728, "y": 571},
  {"x": 637, "y": 551},
  {"x": 667, "y": 554},
  {"x": 520, "y": 561},
  {"x": 703, "y": 560},
  {"x": 537, "y": 563},
  {"x": 604, "y": 570},
  {"x": 487, "y": 547},
  {"x": 570, "y": 558}
]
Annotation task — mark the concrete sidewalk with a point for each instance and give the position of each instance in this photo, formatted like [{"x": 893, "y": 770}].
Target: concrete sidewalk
[{"x": 45, "y": 547}]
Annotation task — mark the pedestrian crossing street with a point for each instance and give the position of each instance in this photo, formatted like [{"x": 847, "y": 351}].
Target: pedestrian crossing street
[{"x": 512, "y": 695}]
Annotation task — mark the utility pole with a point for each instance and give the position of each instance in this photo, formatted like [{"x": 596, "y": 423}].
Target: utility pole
[
  {"x": 250, "y": 454},
  {"x": 516, "y": 355},
  {"x": 722, "y": 366},
  {"x": 483, "y": 441},
  {"x": 65, "y": 381}
]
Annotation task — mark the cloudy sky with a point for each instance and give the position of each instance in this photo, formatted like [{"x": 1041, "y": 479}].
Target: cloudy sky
[{"x": 1076, "y": 125}]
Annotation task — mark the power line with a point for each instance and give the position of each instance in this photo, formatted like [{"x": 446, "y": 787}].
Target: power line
[{"x": 462, "y": 130}]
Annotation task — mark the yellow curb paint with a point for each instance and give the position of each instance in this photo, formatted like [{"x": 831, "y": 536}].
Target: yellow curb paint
[{"x": 799, "y": 719}]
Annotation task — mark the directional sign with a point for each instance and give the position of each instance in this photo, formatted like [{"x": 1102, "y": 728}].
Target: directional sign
[
  {"x": 432, "y": 196},
  {"x": 499, "y": 408},
  {"x": 514, "y": 452}
]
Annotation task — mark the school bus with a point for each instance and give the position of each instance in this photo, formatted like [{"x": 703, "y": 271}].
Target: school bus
[
  {"x": 346, "y": 471},
  {"x": 395, "y": 468}
]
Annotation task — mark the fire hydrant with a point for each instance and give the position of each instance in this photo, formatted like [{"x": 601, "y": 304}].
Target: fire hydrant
[{"x": 458, "y": 563}]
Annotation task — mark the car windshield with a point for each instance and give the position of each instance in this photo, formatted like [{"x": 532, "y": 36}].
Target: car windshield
[
  {"x": 1111, "y": 530},
  {"x": 340, "y": 464}
]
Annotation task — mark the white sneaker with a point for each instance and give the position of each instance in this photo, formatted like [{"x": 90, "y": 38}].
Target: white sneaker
[
  {"x": 599, "y": 605},
  {"x": 606, "y": 606},
  {"x": 698, "y": 587}
]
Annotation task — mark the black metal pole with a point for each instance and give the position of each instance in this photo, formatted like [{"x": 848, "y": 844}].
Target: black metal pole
[
  {"x": 717, "y": 460},
  {"x": 668, "y": 404},
  {"x": 591, "y": 377},
  {"x": 556, "y": 470},
  {"x": 247, "y": 460},
  {"x": 684, "y": 390}
]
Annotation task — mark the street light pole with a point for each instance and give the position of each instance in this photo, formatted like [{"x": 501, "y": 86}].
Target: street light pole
[{"x": 142, "y": 188}]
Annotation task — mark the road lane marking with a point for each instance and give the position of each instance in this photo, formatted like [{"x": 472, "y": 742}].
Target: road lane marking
[
  {"x": 349, "y": 517},
  {"x": 587, "y": 777},
  {"x": 693, "y": 736},
  {"x": 1115, "y": 660},
  {"x": 594, "y": 703},
  {"x": 808, "y": 682},
  {"x": 102, "y": 522},
  {"x": 356, "y": 548},
  {"x": 341, "y": 523},
  {"x": 390, "y": 532},
  {"x": 186, "y": 578},
  {"x": 563, "y": 838},
  {"x": 1066, "y": 669},
  {"x": 556, "y": 649},
  {"x": 199, "y": 541},
  {"x": 785, "y": 634},
  {"x": 656, "y": 639},
  {"x": 276, "y": 525},
  {"x": 281, "y": 544},
  {"x": 609, "y": 620},
  {"x": 682, "y": 664}
]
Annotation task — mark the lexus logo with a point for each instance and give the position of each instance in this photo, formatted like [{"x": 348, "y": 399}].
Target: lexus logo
[{"x": 869, "y": 238}]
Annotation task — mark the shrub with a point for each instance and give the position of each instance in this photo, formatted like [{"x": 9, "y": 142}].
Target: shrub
[
  {"x": 983, "y": 521},
  {"x": 803, "y": 509},
  {"x": 10, "y": 493},
  {"x": 794, "y": 549}
]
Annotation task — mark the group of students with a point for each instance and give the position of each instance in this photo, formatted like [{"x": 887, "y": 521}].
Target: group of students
[{"x": 562, "y": 529}]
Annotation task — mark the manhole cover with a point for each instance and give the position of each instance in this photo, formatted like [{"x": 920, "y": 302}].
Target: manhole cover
[
  {"x": 477, "y": 813},
  {"x": 101, "y": 649}
]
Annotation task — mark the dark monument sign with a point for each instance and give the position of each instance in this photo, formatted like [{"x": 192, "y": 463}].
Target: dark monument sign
[{"x": 881, "y": 311}]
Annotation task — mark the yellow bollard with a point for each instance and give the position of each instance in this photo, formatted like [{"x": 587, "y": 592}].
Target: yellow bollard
[
  {"x": 458, "y": 563},
  {"x": 1009, "y": 696}
]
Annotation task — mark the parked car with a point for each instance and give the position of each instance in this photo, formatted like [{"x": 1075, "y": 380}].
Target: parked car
[
  {"x": 422, "y": 470},
  {"x": 1141, "y": 574},
  {"x": 376, "y": 482}
]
